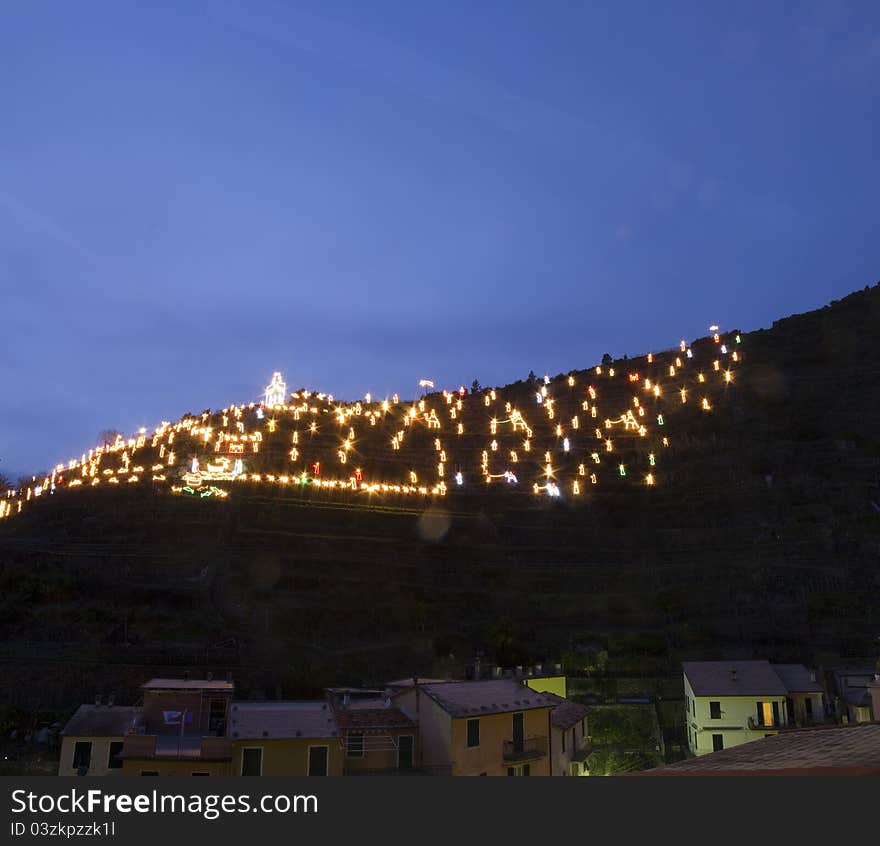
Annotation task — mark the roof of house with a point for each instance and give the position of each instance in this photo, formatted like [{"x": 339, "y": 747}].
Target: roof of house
[
  {"x": 102, "y": 720},
  {"x": 362, "y": 716},
  {"x": 567, "y": 713},
  {"x": 410, "y": 682},
  {"x": 188, "y": 684},
  {"x": 496, "y": 696},
  {"x": 733, "y": 678},
  {"x": 797, "y": 678},
  {"x": 823, "y": 750},
  {"x": 252, "y": 720}
]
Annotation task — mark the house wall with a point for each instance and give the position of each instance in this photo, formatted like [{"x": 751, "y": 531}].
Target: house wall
[
  {"x": 433, "y": 745},
  {"x": 174, "y": 767},
  {"x": 798, "y": 700},
  {"x": 99, "y": 759},
  {"x": 733, "y": 725},
  {"x": 289, "y": 756},
  {"x": 874, "y": 690},
  {"x": 548, "y": 684},
  {"x": 494, "y": 730},
  {"x": 561, "y": 763}
]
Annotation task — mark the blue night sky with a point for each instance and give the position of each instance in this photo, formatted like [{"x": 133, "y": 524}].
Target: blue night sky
[{"x": 362, "y": 194}]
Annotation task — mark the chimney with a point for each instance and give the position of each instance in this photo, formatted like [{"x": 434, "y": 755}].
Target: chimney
[
  {"x": 346, "y": 699},
  {"x": 97, "y": 699},
  {"x": 477, "y": 667},
  {"x": 733, "y": 674},
  {"x": 111, "y": 699},
  {"x": 812, "y": 675}
]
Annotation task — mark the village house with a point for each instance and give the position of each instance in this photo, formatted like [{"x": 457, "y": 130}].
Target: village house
[
  {"x": 732, "y": 702},
  {"x": 492, "y": 727},
  {"x": 92, "y": 740},
  {"x": 293, "y": 738}
]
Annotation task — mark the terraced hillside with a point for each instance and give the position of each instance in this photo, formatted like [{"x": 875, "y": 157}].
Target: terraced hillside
[{"x": 722, "y": 493}]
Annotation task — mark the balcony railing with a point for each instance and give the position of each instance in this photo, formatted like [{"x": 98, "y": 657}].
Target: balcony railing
[
  {"x": 524, "y": 750},
  {"x": 773, "y": 725}
]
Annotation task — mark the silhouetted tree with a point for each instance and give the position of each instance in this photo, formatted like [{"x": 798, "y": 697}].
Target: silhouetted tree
[
  {"x": 475, "y": 386},
  {"x": 606, "y": 359}
]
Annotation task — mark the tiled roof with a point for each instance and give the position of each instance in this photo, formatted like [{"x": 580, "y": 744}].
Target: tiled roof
[
  {"x": 253, "y": 720},
  {"x": 187, "y": 684},
  {"x": 102, "y": 720},
  {"x": 376, "y": 717},
  {"x": 567, "y": 713},
  {"x": 797, "y": 678},
  {"x": 411, "y": 681},
  {"x": 853, "y": 748},
  {"x": 476, "y": 698},
  {"x": 733, "y": 678}
]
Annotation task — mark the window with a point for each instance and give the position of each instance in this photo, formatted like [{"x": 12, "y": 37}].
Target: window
[
  {"x": 82, "y": 754},
  {"x": 563, "y": 741},
  {"x": 808, "y": 707},
  {"x": 200, "y": 774},
  {"x": 768, "y": 713},
  {"x": 149, "y": 772},
  {"x": 687, "y": 704},
  {"x": 114, "y": 758},
  {"x": 217, "y": 717},
  {"x": 715, "y": 710},
  {"x": 473, "y": 733},
  {"x": 405, "y": 752},
  {"x": 355, "y": 747},
  {"x": 694, "y": 706},
  {"x": 717, "y": 742},
  {"x": 524, "y": 770},
  {"x": 252, "y": 761},
  {"x": 317, "y": 760}
]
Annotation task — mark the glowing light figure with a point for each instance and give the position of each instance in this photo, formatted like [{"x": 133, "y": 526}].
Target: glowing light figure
[
  {"x": 276, "y": 390},
  {"x": 576, "y": 488},
  {"x": 494, "y": 446},
  {"x": 735, "y": 356},
  {"x": 622, "y": 469},
  {"x": 527, "y": 445},
  {"x": 716, "y": 365},
  {"x": 487, "y": 400},
  {"x": 701, "y": 377},
  {"x": 413, "y": 477},
  {"x": 459, "y": 479},
  {"x": 558, "y": 430},
  {"x": 598, "y": 371},
  {"x": 259, "y": 414},
  {"x": 660, "y": 421},
  {"x": 593, "y": 411},
  {"x": 728, "y": 376},
  {"x": 724, "y": 349},
  {"x": 313, "y": 428},
  {"x": 493, "y": 426},
  {"x": 683, "y": 393},
  {"x": 609, "y": 445},
  {"x": 565, "y": 445},
  {"x": 548, "y": 469},
  {"x": 649, "y": 479},
  {"x": 272, "y": 424},
  {"x": 461, "y": 428},
  {"x": 575, "y": 423},
  {"x": 571, "y": 381},
  {"x": 671, "y": 370},
  {"x": 706, "y": 406}
]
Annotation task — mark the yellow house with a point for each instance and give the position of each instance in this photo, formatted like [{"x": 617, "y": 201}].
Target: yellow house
[
  {"x": 284, "y": 739},
  {"x": 93, "y": 738},
  {"x": 732, "y": 702},
  {"x": 494, "y": 727}
]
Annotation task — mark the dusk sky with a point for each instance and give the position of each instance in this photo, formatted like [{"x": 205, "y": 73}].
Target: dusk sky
[{"x": 364, "y": 194}]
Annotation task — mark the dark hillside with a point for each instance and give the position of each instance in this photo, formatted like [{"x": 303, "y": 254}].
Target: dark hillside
[{"x": 756, "y": 526}]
